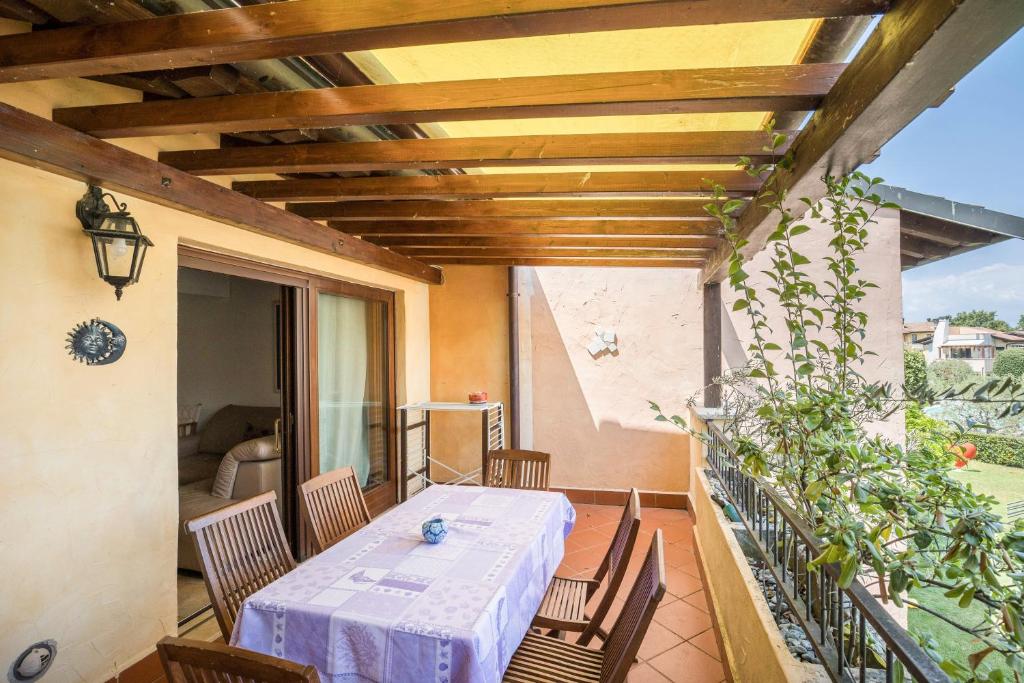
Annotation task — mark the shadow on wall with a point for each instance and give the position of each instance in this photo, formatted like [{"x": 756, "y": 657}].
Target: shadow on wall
[{"x": 591, "y": 413}]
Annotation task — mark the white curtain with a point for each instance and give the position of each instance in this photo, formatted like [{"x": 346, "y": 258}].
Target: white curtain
[{"x": 342, "y": 361}]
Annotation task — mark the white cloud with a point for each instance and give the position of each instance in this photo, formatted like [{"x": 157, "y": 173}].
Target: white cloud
[{"x": 997, "y": 286}]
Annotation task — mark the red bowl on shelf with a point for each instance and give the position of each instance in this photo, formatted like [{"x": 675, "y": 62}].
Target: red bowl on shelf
[{"x": 478, "y": 397}]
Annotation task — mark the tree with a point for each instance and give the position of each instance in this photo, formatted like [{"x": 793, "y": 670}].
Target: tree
[
  {"x": 1010, "y": 363},
  {"x": 943, "y": 374},
  {"x": 915, "y": 370},
  {"x": 1020, "y": 322},
  {"x": 979, "y": 318}
]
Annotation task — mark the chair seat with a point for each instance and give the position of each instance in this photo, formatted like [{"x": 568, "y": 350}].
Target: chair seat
[
  {"x": 563, "y": 605},
  {"x": 541, "y": 659}
]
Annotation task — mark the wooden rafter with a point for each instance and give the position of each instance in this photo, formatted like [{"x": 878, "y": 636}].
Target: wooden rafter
[
  {"x": 563, "y": 261},
  {"x": 611, "y": 184},
  {"x": 425, "y": 253},
  {"x": 698, "y": 147},
  {"x": 919, "y": 50},
  {"x": 37, "y": 142},
  {"x": 314, "y": 27},
  {"x": 537, "y": 227},
  {"x": 637, "y": 209},
  {"x": 797, "y": 87},
  {"x": 629, "y": 242}
]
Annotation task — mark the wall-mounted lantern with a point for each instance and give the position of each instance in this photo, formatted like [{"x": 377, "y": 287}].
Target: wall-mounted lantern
[{"x": 119, "y": 245}]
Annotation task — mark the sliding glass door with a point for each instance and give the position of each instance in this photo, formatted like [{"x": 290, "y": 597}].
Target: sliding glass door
[{"x": 354, "y": 397}]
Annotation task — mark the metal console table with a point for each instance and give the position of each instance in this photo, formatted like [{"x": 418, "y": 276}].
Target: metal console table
[{"x": 416, "y": 460}]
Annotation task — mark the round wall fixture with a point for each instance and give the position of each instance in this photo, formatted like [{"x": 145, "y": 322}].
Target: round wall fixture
[{"x": 33, "y": 662}]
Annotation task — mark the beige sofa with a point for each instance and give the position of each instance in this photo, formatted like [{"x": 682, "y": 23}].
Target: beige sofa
[{"x": 200, "y": 455}]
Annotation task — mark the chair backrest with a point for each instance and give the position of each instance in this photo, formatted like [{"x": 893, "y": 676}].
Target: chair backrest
[
  {"x": 195, "y": 661},
  {"x": 333, "y": 505},
  {"x": 241, "y": 549},
  {"x": 615, "y": 562},
  {"x": 631, "y": 626},
  {"x": 517, "y": 469}
]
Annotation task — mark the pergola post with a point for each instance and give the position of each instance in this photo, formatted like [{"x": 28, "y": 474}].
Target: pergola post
[{"x": 712, "y": 344}]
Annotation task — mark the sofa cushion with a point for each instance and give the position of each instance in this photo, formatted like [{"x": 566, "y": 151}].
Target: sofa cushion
[
  {"x": 247, "y": 451},
  {"x": 233, "y": 424},
  {"x": 197, "y": 467}
]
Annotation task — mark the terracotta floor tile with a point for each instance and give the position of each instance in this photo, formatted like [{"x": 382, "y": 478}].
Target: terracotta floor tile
[
  {"x": 658, "y": 639},
  {"x": 683, "y": 619},
  {"x": 688, "y": 566},
  {"x": 586, "y": 560},
  {"x": 708, "y": 643},
  {"x": 699, "y": 600},
  {"x": 688, "y": 664},
  {"x": 645, "y": 673},
  {"x": 682, "y": 584},
  {"x": 580, "y": 539},
  {"x": 677, "y": 554},
  {"x": 678, "y": 533}
]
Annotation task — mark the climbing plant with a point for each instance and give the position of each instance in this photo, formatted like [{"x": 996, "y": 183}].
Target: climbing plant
[{"x": 885, "y": 513}]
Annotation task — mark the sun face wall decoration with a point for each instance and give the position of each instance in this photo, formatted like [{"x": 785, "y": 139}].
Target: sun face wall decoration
[{"x": 96, "y": 342}]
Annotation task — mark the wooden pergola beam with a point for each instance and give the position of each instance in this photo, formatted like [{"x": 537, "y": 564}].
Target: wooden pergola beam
[
  {"x": 40, "y": 143},
  {"x": 610, "y": 184},
  {"x": 798, "y": 87},
  {"x": 919, "y": 50},
  {"x": 563, "y": 262},
  {"x": 426, "y": 253},
  {"x": 425, "y": 210},
  {"x": 699, "y": 147},
  {"x": 692, "y": 243},
  {"x": 538, "y": 227},
  {"x": 315, "y": 27}
]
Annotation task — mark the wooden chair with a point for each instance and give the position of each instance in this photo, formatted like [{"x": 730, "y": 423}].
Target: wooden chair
[
  {"x": 241, "y": 548},
  {"x": 564, "y": 604},
  {"x": 542, "y": 659},
  {"x": 517, "y": 469},
  {"x": 195, "y": 661},
  {"x": 333, "y": 505}
]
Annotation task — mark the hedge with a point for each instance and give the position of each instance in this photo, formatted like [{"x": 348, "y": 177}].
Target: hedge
[{"x": 999, "y": 450}]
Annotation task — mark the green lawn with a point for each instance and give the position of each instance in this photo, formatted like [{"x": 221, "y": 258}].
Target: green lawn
[{"x": 1006, "y": 484}]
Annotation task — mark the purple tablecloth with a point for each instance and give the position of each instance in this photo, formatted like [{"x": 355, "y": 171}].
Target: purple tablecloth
[{"x": 384, "y": 605}]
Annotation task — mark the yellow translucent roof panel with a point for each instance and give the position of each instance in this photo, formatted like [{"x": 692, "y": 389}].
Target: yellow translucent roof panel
[{"x": 691, "y": 47}]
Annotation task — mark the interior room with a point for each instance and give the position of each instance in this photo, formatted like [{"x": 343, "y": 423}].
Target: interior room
[{"x": 229, "y": 405}]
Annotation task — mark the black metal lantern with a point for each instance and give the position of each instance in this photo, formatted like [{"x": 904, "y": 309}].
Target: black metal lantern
[{"x": 119, "y": 245}]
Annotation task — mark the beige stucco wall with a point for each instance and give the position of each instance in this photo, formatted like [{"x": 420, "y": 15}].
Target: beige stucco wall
[
  {"x": 469, "y": 330},
  {"x": 88, "y": 500},
  {"x": 884, "y": 332},
  {"x": 592, "y": 413}
]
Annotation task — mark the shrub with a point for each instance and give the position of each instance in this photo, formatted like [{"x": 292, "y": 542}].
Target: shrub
[
  {"x": 1010, "y": 363},
  {"x": 998, "y": 449},
  {"x": 927, "y": 433},
  {"x": 915, "y": 370},
  {"x": 943, "y": 374}
]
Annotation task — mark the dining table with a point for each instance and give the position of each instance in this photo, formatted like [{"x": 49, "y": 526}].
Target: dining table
[{"x": 385, "y": 605}]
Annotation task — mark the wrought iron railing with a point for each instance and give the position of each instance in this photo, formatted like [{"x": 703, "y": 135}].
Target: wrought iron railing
[{"x": 852, "y": 634}]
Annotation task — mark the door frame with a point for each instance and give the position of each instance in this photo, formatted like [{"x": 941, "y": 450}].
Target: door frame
[
  {"x": 303, "y": 428},
  {"x": 385, "y": 495}
]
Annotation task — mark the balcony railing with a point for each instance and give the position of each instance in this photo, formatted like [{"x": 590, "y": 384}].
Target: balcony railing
[{"x": 854, "y": 637}]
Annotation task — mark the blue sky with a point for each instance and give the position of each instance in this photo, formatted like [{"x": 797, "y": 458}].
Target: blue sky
[{"x": 971, "y": 149}]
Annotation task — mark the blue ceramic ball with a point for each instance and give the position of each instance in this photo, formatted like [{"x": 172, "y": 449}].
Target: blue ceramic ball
[{"x": 434, "y": 530}]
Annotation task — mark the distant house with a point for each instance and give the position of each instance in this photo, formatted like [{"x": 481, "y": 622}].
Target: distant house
[{"x": 977, "y": 346}]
